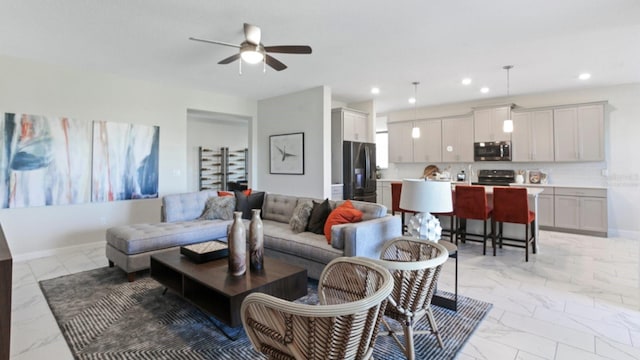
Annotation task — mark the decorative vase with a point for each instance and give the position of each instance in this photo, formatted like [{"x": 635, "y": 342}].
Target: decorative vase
[
  {"x": 256, "y": 241},
  {"x": 237, "y": 242},
  {"x": 519, "y": 179}
]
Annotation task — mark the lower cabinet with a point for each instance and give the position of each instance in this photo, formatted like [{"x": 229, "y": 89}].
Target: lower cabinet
[
  {"x": 581, "y": 209},
  {"x": 383, "y": 193},
  {"x": 546, "y": 210}
]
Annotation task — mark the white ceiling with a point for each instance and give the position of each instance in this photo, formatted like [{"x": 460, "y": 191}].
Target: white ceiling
[{"x": 356, "y": 44}]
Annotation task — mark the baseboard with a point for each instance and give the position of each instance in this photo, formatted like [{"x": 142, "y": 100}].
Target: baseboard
[{"x": 55, "y": 251}]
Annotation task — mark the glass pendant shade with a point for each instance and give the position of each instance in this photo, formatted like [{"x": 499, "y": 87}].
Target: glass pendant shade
[
  {"x": 507, "y": 126},
  {"x": 415, "y": 132}
]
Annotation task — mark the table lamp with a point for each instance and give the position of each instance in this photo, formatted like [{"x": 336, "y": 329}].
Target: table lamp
[{"x": 425, "y": 197}]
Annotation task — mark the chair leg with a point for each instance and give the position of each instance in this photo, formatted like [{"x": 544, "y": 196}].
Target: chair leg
[
  {"x": 526, "y": 243},
  {"x": 484, "y": 239},
  {"x": 493, "y": 236},
  {"x": 533, "y": 235},
  {"x": 434, "y": 327},
  {"x": 501, "y": 228},
  {"x": 408, "y": 338}
]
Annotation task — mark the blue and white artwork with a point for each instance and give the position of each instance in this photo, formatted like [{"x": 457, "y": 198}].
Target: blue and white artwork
[
  {"x": 44, "y": 161},
  {"x": 125, "y": 161}
]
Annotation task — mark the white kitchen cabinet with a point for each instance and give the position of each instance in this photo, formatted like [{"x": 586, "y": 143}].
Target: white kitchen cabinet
[
  {"x": 457, "y": 139},
  {"x": 350, "y": 125},
  {"x": 532, "y": 137},
  {"x": 579, "y": 133},
  {"x": 488, "y": 124},
  {"x": 383, "y": 188},
  {"x": 400, "y": 142},
  {"x": 581, "y": 209},
  {"x": 546, "y": 211},
  {"x": 428, "y": 147}
]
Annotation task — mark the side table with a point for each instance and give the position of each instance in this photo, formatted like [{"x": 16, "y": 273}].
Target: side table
[{"x": 442, "y": 301}]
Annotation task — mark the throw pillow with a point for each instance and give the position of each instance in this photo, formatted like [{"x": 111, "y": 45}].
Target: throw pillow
[
  {"x": 218, "y": 207},
  {"x": 318, "y": 216},
  {"x": 343, "y": 214},
  {"x": 246, "y": 203},
  {"x": 300, "y": 217},
  {"x": 229, "y": 193}
]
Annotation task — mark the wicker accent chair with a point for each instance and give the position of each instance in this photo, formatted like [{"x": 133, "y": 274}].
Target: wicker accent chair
[
  {"x": 415, "y": 267},
  {"x": 352, "y": 292}
]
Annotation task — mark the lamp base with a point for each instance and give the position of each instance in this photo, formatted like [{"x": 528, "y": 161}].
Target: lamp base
[{"x": 425, "y": 226}]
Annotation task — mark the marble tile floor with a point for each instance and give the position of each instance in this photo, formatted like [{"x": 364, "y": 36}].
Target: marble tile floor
[{"x": 578, "y": 298}]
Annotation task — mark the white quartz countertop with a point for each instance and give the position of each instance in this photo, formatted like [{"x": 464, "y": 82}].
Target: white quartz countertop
[{"x": 560, "y": 186}]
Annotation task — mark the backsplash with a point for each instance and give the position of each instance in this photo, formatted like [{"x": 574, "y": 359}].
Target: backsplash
[{"x": 578, "y": 174}]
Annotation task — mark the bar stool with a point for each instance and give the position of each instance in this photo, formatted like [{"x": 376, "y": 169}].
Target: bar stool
[
  {"x": 396, "y": 189},
  {"x": 451, "y": 232},
  {"x": 512, "y": 205},
  {"x": 471, "y": 203}
]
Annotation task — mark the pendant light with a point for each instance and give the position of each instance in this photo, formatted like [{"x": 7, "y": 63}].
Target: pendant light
[
  {"x": 507, "y": 125},
  {"x": 415, "y": 131}
]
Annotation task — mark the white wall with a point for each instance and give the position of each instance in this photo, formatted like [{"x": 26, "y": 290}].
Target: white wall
[
  {"x": 307, "y": 111},
  {"x": 212, "y": 131},
  {"x": 622, "y": 164},
  {"x": 35, "y": 88}
]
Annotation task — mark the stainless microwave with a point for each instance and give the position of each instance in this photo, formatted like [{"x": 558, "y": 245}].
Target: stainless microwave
[{"x": 492, "y": 151}]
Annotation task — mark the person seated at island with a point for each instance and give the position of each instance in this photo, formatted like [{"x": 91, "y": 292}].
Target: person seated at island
[{"x": 431, "y": 172}]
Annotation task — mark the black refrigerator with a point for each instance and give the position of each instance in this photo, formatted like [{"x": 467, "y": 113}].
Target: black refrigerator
[{"x": 359, "y": 170}]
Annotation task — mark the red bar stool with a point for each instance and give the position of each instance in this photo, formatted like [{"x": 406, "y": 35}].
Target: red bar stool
[
  {"x": 396, "y": 189},
  {"x": 471, "y": 203},
  {"x": 451, "y": 232},
  {"x": 512, "y": 205}
]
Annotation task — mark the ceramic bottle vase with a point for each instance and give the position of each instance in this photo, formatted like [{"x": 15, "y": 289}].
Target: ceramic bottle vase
[
  {"x": 256, "y": 241},
  {"x": 237, "y": 242}
]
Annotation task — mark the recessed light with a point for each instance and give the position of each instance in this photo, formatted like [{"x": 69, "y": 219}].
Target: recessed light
[
  {"x": 484, "y": 90},
  {"x": 412, "y": 100},
  {"x": 466, "y": 81},
  {"x": 584, "y": 76},
  {"x": 375, "y": 90}
]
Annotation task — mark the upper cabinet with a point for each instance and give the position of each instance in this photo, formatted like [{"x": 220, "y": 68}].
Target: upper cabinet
[
  {"x": 428, "y": 147},
  {"x": 532, "y": 137},
  {"x": 400, "y": 142},
  {"x": 488, "y": 124},
  {"x": 457, "y": 139},
  {"x": 579, "y": 133},
  {"x": 353, "y": 125}
]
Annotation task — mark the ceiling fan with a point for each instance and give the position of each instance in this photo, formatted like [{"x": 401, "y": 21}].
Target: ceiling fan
[{"x": 253, "y": 51}]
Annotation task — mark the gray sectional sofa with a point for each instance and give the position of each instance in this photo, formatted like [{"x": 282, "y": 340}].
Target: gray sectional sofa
[{"x": 130, "y": 246}]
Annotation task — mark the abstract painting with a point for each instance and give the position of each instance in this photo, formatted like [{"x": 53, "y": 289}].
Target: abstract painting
[
  {"x": 125, "y": 161},
  {"x": 44, "y": 161},
  {"x": 286, "y": 154}
]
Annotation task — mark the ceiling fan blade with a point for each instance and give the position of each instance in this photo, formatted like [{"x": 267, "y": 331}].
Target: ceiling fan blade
[
  {"x": 252, "y": 33},
  {"x": 274, "y": 63},
  {"x": 215, "y": 42},
  {"x": 289, "y": 49},
  {"x": 230, "y": 59}
]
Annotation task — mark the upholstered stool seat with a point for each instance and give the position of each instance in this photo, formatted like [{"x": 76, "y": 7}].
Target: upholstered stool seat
[
  {"x": 471, "y": 203},
  {"x": 511, "y": 205}
]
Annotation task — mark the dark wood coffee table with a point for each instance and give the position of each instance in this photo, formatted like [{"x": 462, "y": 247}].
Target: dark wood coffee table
[{"x": 210, "y": 287}]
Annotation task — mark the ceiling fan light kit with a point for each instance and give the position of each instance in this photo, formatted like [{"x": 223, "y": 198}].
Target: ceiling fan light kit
[{"x": 252, "y": 51}]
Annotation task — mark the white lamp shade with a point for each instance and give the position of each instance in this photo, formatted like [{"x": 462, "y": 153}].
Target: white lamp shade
[
  {"x": 507, "y": 126},
  {"x": 415, "y": 132},
  {"x": 430, "y": 196}
]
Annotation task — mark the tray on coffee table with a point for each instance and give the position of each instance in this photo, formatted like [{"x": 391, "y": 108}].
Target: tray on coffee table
[{"x": 205, "y": 251}]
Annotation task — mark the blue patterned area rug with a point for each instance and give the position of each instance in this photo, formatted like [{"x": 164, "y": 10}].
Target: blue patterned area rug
[{"x": 102, "y": 316}]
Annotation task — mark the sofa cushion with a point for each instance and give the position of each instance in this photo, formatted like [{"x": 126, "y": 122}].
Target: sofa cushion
[
  {"x": 305, "y": 245},
  {"x": 184, "y": 207},
  {"x": 245, "y": 203},
  {"x": 369, "y": 210},
  {"x": 300, "y": 218},
  {"x": 319, "y": 214},
  {"x": 278, "y": 207},
  {"x": 218, "y": 207},
  {"x": 138, "y": 238},
  {"x": 343, "y": 214}
]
